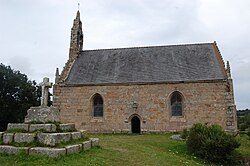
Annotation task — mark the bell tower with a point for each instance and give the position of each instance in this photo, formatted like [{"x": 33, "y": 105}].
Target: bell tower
[
  {"x": 76, "y": 44},
  {"x": 76, "y": 40}
]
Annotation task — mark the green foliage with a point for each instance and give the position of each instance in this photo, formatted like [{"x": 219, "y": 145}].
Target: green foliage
[
  {"x": 243, "y": 118},
  {"x": 184, "y": 134},
  {"x": 17, "y": 95},
  {"x": 242, "y": 127},
  {"x": 211, "y": 143},
  {"x": 248, "y": 133}
]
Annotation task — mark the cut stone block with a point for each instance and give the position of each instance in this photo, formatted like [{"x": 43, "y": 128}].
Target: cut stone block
[
  {"x": 13, "y": 150},
  {"x": 43, "y": 127},
  {"x": 73, "y": 149},
  {"x": 94, "y": 141},
  {"x": 21, "y": 126},
  {"x": 76, "y": 135},
  {"x": 8, "y": 138},
  {"x": 67, "y": 127},
  {"x": 42, "y": 114},
  {"x": 86, "y": 145},
  {"x": 51, "y": 152},
  {"x": 24, "y": 137},
  {"x": 52, "y": 139}
]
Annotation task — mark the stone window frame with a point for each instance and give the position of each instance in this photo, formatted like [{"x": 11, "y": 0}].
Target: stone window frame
[
  {"x": 93, "y": 107},
  {"x": 182, "y": 102}
]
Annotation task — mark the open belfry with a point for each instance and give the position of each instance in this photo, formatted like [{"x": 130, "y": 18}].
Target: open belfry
[{"x": 144, "y": 89}]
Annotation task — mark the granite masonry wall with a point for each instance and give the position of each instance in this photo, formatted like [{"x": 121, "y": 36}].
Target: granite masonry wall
[{"x": 205, "y": 102}]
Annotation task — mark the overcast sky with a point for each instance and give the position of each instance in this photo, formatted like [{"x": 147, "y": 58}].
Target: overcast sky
[{"x": 35, "y": 34}]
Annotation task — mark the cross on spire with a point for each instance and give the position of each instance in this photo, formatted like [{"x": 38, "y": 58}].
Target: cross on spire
[
  {"x": 45, "y": 91},
  {"x": 78, "y": 6}
]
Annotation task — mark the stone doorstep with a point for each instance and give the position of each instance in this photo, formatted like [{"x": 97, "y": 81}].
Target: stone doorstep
[
  {"x": 68, "y": 126},
  {"x": 94, "y": 141},
  {"x": 24, "y": 137},
  {"x": 52, "y": 139},
  {"x": 70, "y": 149},
  {"x": 86, "y": 145},
  {"x": 50, "y": 152},
  {"x": 18, "y": 126},
  {"x": 45, "y": 127},
  {"x": 13, "y": 150},
  {"x": 8, "y": 138}
]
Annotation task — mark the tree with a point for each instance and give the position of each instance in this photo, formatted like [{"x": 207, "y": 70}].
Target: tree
[{"x": 17, "y": 95}]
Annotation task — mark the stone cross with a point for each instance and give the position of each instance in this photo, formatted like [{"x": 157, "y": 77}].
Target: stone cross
[{"x": 45, "y": 91}]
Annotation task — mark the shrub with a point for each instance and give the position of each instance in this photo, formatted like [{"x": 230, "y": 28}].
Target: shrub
[
  {"x": 211, "y": 143},
  {"x": 184, "y": 134},
  {"x": 242, "y": 127},
  {"x": 248, "y": 133}
]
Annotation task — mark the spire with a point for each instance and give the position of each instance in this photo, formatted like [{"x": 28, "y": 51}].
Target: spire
[
  {"x": 57, "y": 76},
  {"x": 228, "y": 70},
  {"x": 78, "y": 15},
  {"x": 76, "y": 42}
]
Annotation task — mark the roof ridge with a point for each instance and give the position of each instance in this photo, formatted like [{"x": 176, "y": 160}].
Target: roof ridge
[{"x": 171, "y": 45}]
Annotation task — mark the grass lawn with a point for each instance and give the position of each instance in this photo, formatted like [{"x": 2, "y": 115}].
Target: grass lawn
[{"x": 118, "y": 150}]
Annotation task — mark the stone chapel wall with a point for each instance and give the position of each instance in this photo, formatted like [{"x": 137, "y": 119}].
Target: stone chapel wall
[{"x": 203, "y": 102}]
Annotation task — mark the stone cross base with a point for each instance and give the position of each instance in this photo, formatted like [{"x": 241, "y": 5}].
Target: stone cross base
[{"x": 42, "y": 114}]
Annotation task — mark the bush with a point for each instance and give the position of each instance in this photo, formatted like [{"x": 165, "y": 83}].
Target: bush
[
  {"x": 211, "y": 143},
  {"x": 184, "y": 134},
  {"x": 242, "y": 127}
]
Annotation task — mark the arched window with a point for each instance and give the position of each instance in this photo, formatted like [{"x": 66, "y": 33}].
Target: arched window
[
  {"x": 176, "y": 104},
  {"x": 98, "y": 105}
]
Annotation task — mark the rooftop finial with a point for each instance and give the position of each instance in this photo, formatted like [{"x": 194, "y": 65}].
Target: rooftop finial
[
  {"x": 78, "y": 5},
  {"x": 228, "y": 70}
]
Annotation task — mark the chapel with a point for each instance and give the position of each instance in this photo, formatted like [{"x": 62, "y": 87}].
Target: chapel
[{"x": 144, "y": 89}]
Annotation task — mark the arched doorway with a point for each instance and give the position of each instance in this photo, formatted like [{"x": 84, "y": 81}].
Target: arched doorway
[{"x": 136, "y": 125}]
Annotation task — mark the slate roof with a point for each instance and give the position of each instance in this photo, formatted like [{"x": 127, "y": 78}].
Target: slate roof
[{"x": 156, "y": 64}]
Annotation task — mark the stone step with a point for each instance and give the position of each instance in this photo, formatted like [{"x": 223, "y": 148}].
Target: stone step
[
  {"x": 13, "y": 150},
  {"x": 53, "y": 139},
  {"x": 43, "y": 127},
  {"x": 50, "y": 139},
  {"x": 67, "y": 127},
  {"x": 51, "y": 152},
  {"x": 20, "y": 126},
  {"x": 24, "y": 137},
  {"x": 47, "y": 127}
]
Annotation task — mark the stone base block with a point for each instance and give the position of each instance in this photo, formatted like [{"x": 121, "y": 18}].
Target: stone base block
[
  {"x": 51, "y": 152},
  {"x": 76, "y": 135},
  {"x": 24, "y": 137},
  {"x": 17, "y": 126},
  {"x": 73, "y": 149},
  {"x": 42, "y": 114},
  {"x": 43, "y": 127},
  {"x": 67, "y": 127},
  {"x": 94, "y": 141},
  {"x": 51, "y": 139},
  {"x": 86, "y": 145},
  {"x": 13, "y": 150},
  {"x": 8, "y": 138}
]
